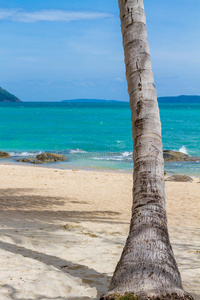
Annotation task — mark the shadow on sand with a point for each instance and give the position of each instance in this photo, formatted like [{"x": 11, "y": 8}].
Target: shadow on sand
[
  {"x": 23, "y": 212},
  {"x": 88, "y": 276}
]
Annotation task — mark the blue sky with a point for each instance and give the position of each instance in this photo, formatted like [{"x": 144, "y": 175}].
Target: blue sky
[{"x": 55, "y": 50}]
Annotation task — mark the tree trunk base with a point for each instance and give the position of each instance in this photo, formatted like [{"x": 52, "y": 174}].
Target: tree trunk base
[{"x": 162, "y": 296}]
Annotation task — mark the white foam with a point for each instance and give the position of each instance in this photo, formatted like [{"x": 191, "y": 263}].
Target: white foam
[
  {"x": 74, "y": 151},
  {"x": 98, "y": 158},
  {"x": 183, "y": 150},
  {"x": 25, "y": 153},
  {"x": 126, "y": 153},
  {"x": 116, "y": 157}
]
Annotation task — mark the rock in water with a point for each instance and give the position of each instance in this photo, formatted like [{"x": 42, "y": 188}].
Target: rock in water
[
  {"x": 50, "y": 157},
  {"x": 172, "y": 156},
  {"x": 179, "y": 178},
  {"x": 29, "y": 160},
  {"x": 4, "y": 154}
]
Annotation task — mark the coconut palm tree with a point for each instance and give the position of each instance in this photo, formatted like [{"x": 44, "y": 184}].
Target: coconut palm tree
[{"x": 147, "y": 268}]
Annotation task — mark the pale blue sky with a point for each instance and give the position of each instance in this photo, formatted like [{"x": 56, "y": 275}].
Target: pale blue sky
[{"x": 55, "y": 50}]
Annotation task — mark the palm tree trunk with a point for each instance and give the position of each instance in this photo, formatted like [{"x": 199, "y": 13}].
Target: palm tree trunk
[{"x": 147, "y": 268}]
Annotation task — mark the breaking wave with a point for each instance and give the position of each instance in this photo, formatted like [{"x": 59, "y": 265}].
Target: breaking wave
[
  {"x": 183, "y": 150},
  {"x": 75, "y": 151},
  {"x": 25, "y": 153},
  {"x": 125, "y": 156}
]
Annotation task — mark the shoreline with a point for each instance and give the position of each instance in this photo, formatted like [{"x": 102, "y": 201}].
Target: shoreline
[
  {"x": 176, "y": 162},
  {"x": 59, "y": 166},
  {"x": 63, "y": 231}
]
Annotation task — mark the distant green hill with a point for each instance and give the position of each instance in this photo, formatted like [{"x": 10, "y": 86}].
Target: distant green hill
[
  {"x": 176, "y": 99},
  {"x": 89, "y": 101},
  {"x": 7, "y": 97},
  {"x": 179, "y": 99}
]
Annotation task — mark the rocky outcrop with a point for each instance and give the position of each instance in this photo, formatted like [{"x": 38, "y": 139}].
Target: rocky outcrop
[
  {"x": 179, "y": 178},
  {"x": 29, "y": 160},
  {"x": 173, "y": 156},
  {"x": 4, "y": 154},
  {"x": 50, "y": 157},
  {"x": 43, "y": 158}
]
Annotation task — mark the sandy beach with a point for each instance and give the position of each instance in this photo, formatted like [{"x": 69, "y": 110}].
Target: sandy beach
[{"x": 62, "y": 231}]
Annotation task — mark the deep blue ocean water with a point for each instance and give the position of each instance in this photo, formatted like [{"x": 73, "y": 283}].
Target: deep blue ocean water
[{"x": 95, "y": 135}]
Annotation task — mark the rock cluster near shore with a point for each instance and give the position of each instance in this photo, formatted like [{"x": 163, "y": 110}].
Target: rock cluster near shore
[
  {"x": 173, "y": 156},
  {"x": 31, "y": 160},
  {"x": 40, "y": 159},
  {"x": 44, "y": 158},
  {"x": 4, "y": 154},
  {"x": 50, "y": 157},
  {"x": 169, "y": 156}
]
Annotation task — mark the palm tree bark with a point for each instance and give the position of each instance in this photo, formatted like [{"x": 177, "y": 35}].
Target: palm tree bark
[{"x": 147, "y": 268}]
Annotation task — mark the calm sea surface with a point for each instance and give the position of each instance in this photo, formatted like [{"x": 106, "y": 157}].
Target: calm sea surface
[{"x": 95, "y": 135}]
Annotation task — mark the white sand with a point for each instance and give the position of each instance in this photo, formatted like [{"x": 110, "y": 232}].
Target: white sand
[{"x": 62, "y": 232}]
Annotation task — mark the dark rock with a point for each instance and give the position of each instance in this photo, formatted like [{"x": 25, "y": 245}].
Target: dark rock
[
  {"x": 50, "y": 157},
  {"x": 4, "y": 154},
  {"x": 29, "y": 160},
  {"x": 179, "y": 178},
  {"x": 173, "y": 156}
]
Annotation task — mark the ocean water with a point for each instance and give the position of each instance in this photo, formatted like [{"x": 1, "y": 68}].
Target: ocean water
[{"x": 95, "y": 135}]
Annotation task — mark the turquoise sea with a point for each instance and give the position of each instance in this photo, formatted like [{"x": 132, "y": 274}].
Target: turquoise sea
[{"x": 95, "y": 135}]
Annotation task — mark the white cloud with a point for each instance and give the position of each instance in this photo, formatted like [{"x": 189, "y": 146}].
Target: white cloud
[
  {"x": 49, "y": 15},
  {"x": 119, "y": 79}
]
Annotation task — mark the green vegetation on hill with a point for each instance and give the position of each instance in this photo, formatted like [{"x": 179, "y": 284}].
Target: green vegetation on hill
[
  {"x": 90, "y": 101},
  {"x": 180, "y": 99},
  {"x": 7, "y": 97},
  {"x": 176, "y": 99}
]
